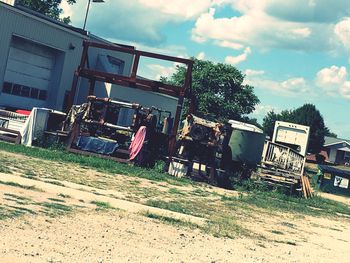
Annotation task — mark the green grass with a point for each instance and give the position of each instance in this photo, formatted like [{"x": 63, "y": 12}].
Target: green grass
[
  {"x": 103, "y": 165},
  {"x": 278, "y": 202},
  {"x": 55, "y": 209},
  {"x": 54, "y": 182},
  {"x": 27, "y": 187},
  {"x": 170, "y": 220},
  {"x": 4, "y": 169},
  {"x": 178, "y": 206},
  {"x": 56, "y": 200},
  {"x": 175, "y": 191},
  {"x": 102, "y": 205},
  {"x": 64, "y": 195},
  {"x": 22, "y": 198}
]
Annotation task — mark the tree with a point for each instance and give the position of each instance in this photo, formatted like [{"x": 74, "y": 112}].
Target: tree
[
  {"x": 218, "y": 90},
  {"x": 50, "y": 8},
  {"x": 305, "y": 115}
]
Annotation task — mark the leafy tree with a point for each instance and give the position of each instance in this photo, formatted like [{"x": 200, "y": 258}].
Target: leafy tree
[
  {"x": 269, "y": 122},
  {"x": 310, "y": 116},
  {"x": 305, "y": 115},
  {"x": 50, "y": 8},
  {"x": 218, "y": 90}
]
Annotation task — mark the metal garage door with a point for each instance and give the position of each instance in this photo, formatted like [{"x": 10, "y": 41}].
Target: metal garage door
[{"x": 29, "y": 70}]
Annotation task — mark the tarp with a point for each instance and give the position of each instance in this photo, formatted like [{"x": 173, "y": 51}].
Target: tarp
[
  {"x": 34, "y": 126},
  {"x": 96, "y": 145}
]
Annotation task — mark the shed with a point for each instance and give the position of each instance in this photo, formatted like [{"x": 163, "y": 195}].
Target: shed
[{"x": 333, "y": 180}]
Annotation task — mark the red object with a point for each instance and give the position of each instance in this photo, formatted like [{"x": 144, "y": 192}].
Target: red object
[
  {"x": 136, "y": 145},
  {"x": 23, "y": 112}
]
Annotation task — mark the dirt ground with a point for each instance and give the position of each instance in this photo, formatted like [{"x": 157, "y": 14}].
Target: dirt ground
[{"x": 63, "y": 221}]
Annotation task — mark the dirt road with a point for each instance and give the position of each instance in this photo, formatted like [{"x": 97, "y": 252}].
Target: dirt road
[{"x": 104, "y": 218}]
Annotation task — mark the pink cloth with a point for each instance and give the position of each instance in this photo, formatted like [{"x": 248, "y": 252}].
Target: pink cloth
[{"x": 136, "y": 145}]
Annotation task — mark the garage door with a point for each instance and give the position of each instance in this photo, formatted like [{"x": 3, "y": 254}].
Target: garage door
[{"x": 29, "y": 70}]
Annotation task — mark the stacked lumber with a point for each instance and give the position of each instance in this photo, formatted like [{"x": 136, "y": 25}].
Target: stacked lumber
[{"x": 306, "y": 187}]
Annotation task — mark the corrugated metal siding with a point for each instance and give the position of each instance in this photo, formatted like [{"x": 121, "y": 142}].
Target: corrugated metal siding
[{"x": 16, "y": 23}]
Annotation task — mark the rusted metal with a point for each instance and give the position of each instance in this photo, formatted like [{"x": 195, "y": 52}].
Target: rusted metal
[{"x": 132, "y": 81}]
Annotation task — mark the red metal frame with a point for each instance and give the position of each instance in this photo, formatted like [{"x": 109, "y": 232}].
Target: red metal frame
[{"x": 132, "y": 80}]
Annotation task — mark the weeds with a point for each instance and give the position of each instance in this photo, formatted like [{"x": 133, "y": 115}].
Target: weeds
[
  {"x": 32, "y": 187},
  {"x": 102, "y": 205},
  {"x": 170, "y": 220},
  {"x": 55, "y": 209}
]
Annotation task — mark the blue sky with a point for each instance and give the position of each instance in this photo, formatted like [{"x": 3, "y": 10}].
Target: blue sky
[{"x": 292, "y": 51}]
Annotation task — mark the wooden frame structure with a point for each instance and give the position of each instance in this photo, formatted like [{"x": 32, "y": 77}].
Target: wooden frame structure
[{"x": 132, "y": 80}]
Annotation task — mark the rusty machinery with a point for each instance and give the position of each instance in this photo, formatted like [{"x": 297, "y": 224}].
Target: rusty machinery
[
  {"x": 133, "y": 81},
  {"x": 203, "y": 148}
]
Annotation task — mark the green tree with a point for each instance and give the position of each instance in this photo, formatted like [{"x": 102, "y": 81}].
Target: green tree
[
  {"x": 50, "y": 8},
  {"x": 307, "y": 115},
  {"x": 218, "y": 90},
  {"x": 269, "y": 122}
]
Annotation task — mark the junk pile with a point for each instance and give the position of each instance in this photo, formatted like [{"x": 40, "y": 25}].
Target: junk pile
[
  {"x": 118, "y": 130},
  {"x": 29, "y": 127}
]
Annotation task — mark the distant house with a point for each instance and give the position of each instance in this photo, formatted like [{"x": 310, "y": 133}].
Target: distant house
[{"x": 338, "y": 150}]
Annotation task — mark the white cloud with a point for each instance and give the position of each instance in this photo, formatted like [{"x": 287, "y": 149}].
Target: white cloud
[
  {"x": 238, "y": 59},
  {"x": 333, "y": 81},
  {"x": 67, "y": 9},
  {"x": 201, "y": 56},
  {"x": 261, "y": 109},
  {"x": 260, "y": 25},
  {"x": 229, "y": 44},
  {"x": 157, "y": 71},
  {"x": 134, "y": 20},
  {"x": 253, "y": 73},
  {"x": 292, "y": 87},
  {"x": 181, "y": 8},
  {"x": 342, "y": 30}
]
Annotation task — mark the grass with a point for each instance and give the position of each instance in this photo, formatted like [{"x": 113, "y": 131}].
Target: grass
[
  {"x": 56, "y": 200},
  {"x": 4, "y": 169},
  {"x": 54, "y": 182},
  {"x": 27, "y": 187},
  {"x": 102, "y": 205},
  {"x": 64, "y": 195},
  {"x": 275, "y": 201},
  {"x": 103, "y": 165},
  {"x": 170, "y": 220},
  {"x": 55, "y": 209},
  {"x": 175, "y": 191}
]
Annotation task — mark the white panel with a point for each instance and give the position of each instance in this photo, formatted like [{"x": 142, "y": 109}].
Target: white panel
[
  {"x": 29, "y": 69},
  {"x": 26, "y": 80},
  {"x": 40, "y": 60}
]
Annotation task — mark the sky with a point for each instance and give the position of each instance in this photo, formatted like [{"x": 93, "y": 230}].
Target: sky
[{"x": 292, "y": 51}]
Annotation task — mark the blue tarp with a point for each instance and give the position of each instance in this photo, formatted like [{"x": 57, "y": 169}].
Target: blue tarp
[{"x": 96, "y": 145}]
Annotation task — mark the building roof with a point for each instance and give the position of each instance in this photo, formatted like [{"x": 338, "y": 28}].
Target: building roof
[
  {"x": 335, "y": 171},
  {"x": 332, "y": 141}
]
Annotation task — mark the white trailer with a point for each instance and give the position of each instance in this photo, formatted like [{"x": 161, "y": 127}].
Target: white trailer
[{"x": 293, "y": 135}]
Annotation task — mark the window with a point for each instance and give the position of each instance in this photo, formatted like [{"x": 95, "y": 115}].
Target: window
[
  {"x": 42, "y": 94},
  {"x": 34, "y": 93},
  {"x": 7, "y": 88},
  {"x": 16, "y": 90},
  {"x": 24, "y": 91}
]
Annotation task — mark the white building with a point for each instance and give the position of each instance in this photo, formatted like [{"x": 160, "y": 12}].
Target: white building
[{"x": 38, "y": 57}]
